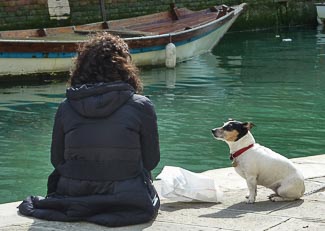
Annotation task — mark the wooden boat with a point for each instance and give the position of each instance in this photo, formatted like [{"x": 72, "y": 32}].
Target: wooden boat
[
  {"x": 50, "y": 50},
  {"x": 320, "y": 8}
]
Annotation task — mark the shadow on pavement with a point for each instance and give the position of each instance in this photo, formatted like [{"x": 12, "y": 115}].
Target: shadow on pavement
[{"x": 239, "y": 209}]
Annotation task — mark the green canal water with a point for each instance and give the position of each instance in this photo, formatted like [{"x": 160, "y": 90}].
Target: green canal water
[{"x": 254, "y": 76}]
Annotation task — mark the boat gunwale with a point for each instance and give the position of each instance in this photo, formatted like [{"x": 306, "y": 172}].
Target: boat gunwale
[
  {"x": 154, "y": 36},
  {"x": 176, "y": 38},
  {"x": 230, "y": 14},
  {"x": 184, "y": 31}
]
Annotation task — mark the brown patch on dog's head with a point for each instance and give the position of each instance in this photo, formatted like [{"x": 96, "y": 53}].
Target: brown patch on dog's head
[{"x": 232, "y": 130}]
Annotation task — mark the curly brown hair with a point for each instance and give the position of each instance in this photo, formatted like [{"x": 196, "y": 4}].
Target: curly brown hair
[{"x": 105, "y": 58}]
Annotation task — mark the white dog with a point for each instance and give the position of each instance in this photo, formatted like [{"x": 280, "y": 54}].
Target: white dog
[{"x": 260, "y": 165}]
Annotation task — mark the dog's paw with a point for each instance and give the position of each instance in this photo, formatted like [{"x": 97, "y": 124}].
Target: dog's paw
[
  {"x": 250, "y": 200},
  {"x": 275, "y": 197},
  {"x": 272, "y": 196}
]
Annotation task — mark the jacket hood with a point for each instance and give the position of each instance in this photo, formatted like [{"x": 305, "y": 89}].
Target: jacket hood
[{"x": 99, "y": 100}]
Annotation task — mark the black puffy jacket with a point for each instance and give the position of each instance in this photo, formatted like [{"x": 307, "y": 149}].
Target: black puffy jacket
[{"x": 104, "y": 144}]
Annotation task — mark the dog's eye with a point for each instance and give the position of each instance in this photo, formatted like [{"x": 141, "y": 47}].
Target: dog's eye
[{"x": 229, "y": 127}]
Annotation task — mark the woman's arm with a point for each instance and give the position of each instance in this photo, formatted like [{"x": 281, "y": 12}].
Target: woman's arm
[
  {"x": 57, "y": 151},
  {"x": 150, "y": 137}
]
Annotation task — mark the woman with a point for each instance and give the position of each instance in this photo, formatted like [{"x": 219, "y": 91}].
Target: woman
[{"x": 104, "y": 143}]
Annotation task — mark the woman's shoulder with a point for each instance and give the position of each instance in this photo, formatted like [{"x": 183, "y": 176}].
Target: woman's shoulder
[
  {"x": 143, "y": 103},
  {"x": 141, "y": 99},
  {"x": 63, "y": 106}
]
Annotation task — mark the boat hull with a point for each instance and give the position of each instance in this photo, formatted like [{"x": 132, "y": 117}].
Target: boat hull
[
  {"x": 27, "y": 66},
  {"x": 320, "y": 8},
  {"x": 185, "y": 50},
  {"x": 25, "y": 57}
]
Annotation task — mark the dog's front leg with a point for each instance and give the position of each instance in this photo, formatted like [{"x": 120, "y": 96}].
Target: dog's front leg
[{"x": 252, "y": 188}]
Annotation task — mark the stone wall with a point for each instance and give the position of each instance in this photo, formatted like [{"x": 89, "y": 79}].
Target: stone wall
[{"x": 20, "y": 14}]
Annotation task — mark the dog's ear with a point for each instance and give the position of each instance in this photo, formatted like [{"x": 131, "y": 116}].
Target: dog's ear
[{"x": 248, "y": 125}]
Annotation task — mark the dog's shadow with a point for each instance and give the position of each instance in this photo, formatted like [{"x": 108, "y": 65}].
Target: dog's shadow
[{"x": 239, "y": 209}]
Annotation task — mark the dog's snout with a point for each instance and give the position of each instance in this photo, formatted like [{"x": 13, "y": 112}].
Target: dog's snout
[{"x": 215, "y": 132}]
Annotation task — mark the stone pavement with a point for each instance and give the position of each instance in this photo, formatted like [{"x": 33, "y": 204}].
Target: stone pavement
[{"x": 231, "y": 214}]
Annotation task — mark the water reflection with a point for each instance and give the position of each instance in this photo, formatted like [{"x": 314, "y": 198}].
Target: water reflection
[
  {"x": 320, "y": 35},
  {"x": 320, "y": 46},
  {"x": 166, "y": 75}
]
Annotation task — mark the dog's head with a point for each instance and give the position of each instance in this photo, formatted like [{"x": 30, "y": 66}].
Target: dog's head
[{"x": 232, "y": 130}]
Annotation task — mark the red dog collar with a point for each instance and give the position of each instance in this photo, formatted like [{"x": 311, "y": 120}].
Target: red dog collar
[{"x": 240, "y": 151}]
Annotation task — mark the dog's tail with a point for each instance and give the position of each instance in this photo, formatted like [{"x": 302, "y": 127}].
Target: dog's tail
[{"x": 318, "y": 189}]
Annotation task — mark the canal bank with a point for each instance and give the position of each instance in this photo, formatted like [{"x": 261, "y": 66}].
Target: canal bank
[{"x": 231, "y": 214}]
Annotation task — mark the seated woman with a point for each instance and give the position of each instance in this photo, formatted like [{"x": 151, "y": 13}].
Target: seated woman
[{"x": 104, "y": 143}]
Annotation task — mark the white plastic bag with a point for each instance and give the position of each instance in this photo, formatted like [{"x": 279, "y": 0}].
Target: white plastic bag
[{"x": 179, "y": 184}]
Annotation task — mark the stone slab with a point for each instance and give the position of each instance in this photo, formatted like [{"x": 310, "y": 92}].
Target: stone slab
[
  {"x": 231, "y": 214},
  {"x": 298, "y": 225}
]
